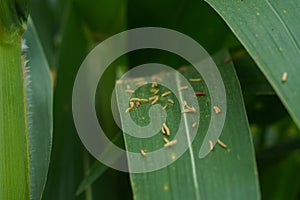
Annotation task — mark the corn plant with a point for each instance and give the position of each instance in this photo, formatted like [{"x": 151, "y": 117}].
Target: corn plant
[{"x": 47, "y": 146}]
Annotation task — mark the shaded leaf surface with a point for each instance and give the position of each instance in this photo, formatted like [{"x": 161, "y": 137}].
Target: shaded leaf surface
[{"x": 39, "y": 111}]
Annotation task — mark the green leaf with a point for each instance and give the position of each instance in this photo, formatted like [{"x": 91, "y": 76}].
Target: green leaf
[
  {"x": 13, "y": 19},
  {"x": 224, "y": 174},
  {"x": 270, "y": 32},
  {"x": 278, "y": 180},
  {"x": 96, "y": 171},
  {"x": 46, "y": 16},
  {"x": 39, "y": 111},
  {"x": 93, "y": 174},
  {"x": 66, "y": 166},
  {"x": 70, "y": 161},
  {"x": 112, "y": 14}
]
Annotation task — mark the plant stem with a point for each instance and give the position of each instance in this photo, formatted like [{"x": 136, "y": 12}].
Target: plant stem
[{"x": 14, "y": 167}]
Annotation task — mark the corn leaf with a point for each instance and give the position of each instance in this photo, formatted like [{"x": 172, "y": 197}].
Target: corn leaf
[
  {"x": 270, "y": 32},
  {"x": 39, "y": 111},
  {"x": 224, "y": 174}
]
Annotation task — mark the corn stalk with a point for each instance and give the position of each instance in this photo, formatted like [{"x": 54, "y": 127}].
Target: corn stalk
[{"x": 14, "y": 157}]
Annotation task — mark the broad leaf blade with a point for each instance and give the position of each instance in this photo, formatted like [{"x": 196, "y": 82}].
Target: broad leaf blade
[
  {"x": 270, "y": 32},
  {"x": 39, "y": 111},
  {"x": 229, "y": 174}
]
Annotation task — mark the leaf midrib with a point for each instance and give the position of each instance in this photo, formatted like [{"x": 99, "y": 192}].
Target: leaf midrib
[{"x": 191, "y": 152}]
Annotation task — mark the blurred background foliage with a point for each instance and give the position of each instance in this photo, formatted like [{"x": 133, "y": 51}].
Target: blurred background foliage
[{"x": 69, "y": 29}]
